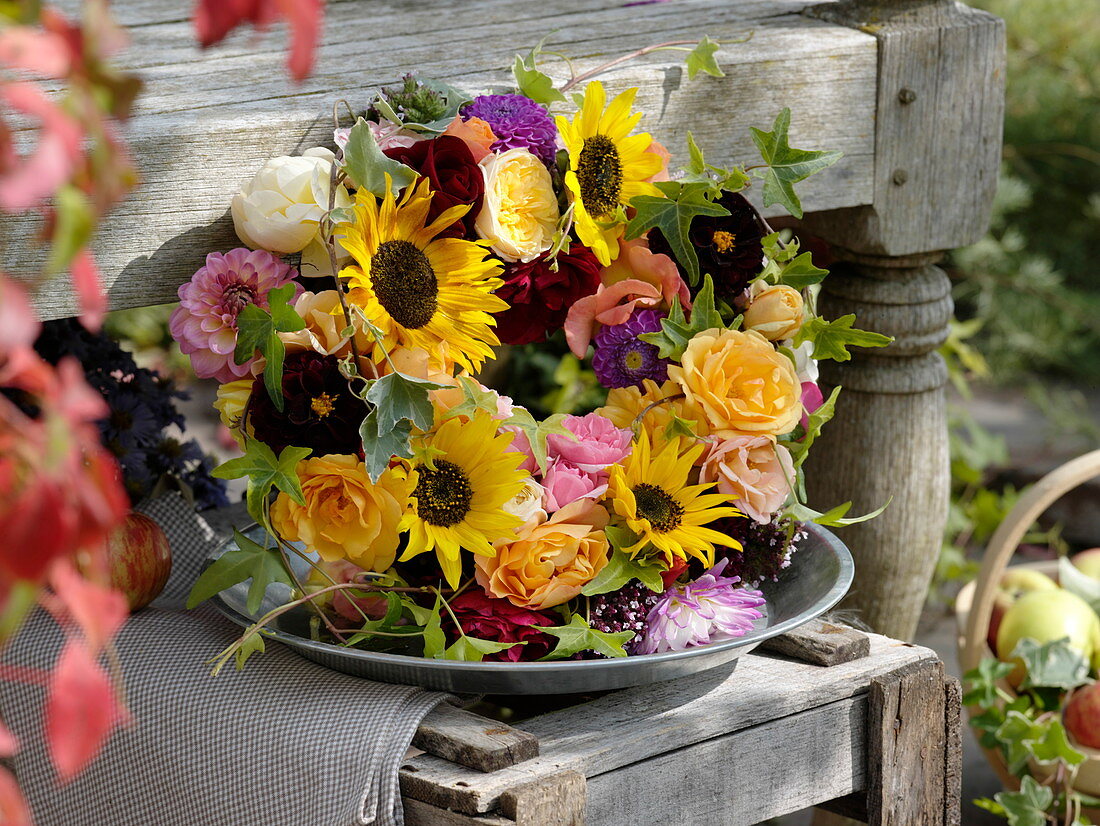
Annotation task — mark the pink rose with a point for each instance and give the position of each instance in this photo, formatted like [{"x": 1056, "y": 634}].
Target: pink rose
[
  {"x": 598, "y": 444},
  {"x": 753, "y": 470},
  {"x": 521, "y": 444},
  {"x": 387, "y": 135},
  {"x": 565, "y": 483},
  {"x": 638, "y": 278}
]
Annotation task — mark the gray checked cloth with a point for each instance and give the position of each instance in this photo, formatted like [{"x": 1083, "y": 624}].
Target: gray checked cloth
[{"x": 285, "y": 742}]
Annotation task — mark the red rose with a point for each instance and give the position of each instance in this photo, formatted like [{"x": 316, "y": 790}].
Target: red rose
[
  {"x": 501, "y": 621},
  {"x": 455, "y": 177},
  {"x": 539, "y": 298}
]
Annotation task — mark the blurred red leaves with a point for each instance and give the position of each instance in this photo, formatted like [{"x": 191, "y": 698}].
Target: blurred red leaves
[{"x": 215, "y": 19}]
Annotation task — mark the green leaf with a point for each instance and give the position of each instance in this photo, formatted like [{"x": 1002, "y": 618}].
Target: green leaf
[
  {"x": 715, "y": 177},
  {"x": 678, "y": 427},
  {"x": 982, "y": 682},
  {"x": 538, "y": 432},
  {"x": 475, "y": 398},
  {"x": 265, "y": 471},
  {"x": 1054, "y": 746},
  {"x": 397, "y": 397},
  {"x": 473, "y": 650},
  {"x": 672, "y": 215},
  {"x": 455, "y": 99},
  {"x": 578, "y": 636},
  {"x": 252, "y": 645},
  {"x": 814, "y": 423},
  {"x": 380, "y": 446},
  {"x": 701, "y": 59},
  {"x": 532, "y": 83},
  {"x": 831, "y": 339},
  {"x": 835, "y": 517},
  {"x": 258, "y": 330},
  {"x": 1051, "y": 665},
  {"x": 250, "y": 560},
  {"x": 621, "y": 569},
  {"x": 367, "y": 166},
  {"x": 786, "y": 166},
  {"x": 1014, "y": 735},
  {"x": 73, "y": 228},
  {"x": 435, "y": 641},
  {"x": 676, "y": 332},
  {"x": 1029, "y": 806}
]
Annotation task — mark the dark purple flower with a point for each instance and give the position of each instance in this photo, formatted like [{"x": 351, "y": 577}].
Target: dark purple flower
[
  {"x": 624, "y": 360},
  {"x": 517, "y": 121},
  {"x": 623, "y": 610},
  {"x": 765, "y": 549}
]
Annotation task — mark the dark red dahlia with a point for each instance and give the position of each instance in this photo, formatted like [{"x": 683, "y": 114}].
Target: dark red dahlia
[
  {"x": 539, "y": 298},
  {"x": 320, "y": 411},
  {"x": 499, "y": 620},
  {"x": 728, "y": 246},
  {"x": 454, "y": 175}
]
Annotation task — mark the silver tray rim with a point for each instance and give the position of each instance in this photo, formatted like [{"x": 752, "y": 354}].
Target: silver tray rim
[{"x": 559, "y": 667}]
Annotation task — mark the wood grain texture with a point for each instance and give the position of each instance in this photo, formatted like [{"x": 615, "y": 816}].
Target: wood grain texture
[
  {"x": 629, "y": 726},
  {"x": 418, "y": 813},
  {"x": 952, "y": 762},
  {"x": 471, "y": 740},
  {"x": 821, "y": 643},
  {"x": 742, "y": 778},
  {"x": 208, "y": 121},
  {"x": 557, "y": 800}
]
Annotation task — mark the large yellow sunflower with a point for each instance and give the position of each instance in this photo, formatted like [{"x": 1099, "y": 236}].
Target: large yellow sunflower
[
  {"x": 459, "y": 503},
  {"x": 650, "y": 491},
  {"x": 424, "y": 293},
  {"x": 607, "y": 167}
]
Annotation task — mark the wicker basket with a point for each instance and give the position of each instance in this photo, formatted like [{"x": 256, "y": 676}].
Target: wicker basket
[{"x": 974, "y": 606}]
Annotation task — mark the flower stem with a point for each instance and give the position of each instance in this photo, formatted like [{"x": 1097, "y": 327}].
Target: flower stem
[{"x": 671, "y": 44}]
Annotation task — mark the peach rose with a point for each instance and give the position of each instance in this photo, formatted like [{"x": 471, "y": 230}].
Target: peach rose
[
  {"x": 739, "y": 382},
  {"x": 638, "y": 278},
  {"x": 753, "y": 470},
  {"x": 324, "y": 320},
  {"x": 774, "y": 311},
  {"x": 346, "y": 515},
  {"x": 665, "y": 156},
  {"x": 625, "y": 404},
  {"x": 548, "y": 563},
  {"x": 475, "y": 133}
]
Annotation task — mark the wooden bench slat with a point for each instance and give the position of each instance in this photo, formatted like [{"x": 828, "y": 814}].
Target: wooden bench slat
[{"x": 472, "y": 740}]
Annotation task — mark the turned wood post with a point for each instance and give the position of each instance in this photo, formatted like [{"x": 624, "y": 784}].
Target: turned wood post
[{"x": 938, "y": 129}]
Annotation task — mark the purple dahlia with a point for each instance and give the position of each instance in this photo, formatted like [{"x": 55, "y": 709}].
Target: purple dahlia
[
  {"x": 624, "y": 360},
  {"x": 517, "y": 121}
]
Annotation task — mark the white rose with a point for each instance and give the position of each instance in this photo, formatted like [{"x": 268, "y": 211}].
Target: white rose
[
  {"x": 280, "y": 209},
  {"x": 804, "y": 363},
  {"x": 520, "y": 211},
  {"x": 527, "y": 504}
]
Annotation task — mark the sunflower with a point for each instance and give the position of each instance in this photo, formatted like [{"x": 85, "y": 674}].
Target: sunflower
[
  {"x": 607, "y": 167},
  {"x": 424, "y": 293},
  {"x": 650, "y": 491},
  {"x": 458, "y": 503}
]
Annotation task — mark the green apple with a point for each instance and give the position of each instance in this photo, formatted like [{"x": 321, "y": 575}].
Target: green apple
[
  {"x": 1046, "y": 616},
  {"x": 1015, "y": 582},
  {"x": 1088, "y": 562}
]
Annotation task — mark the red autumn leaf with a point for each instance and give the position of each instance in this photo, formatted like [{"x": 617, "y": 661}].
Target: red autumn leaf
[
  {"x": 44, "y": 53},
  {"x": 52, "y": 162},
  {"x": 81, "y": 711},
  {"x": 304, "y": 18},
  {"x": 14, "y": 810},
  {"x": 215, "y": 19},
  {"x": 98, "y": 611},
  {"x": 89, "y": 292}
]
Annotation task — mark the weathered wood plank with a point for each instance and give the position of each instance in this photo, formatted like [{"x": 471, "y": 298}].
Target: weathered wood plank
[
  {"x": 821, "y": 643},
  {"x": 207, "y": 122},
  {"x": 558, "y": 800},
  {"x": 471, "y": 740},
  {"x": 636, "y": 724},
  {"x": 747, "y": 777},
  {"x": 418, "y": 813},
  {"x": 952, "y": 764}
]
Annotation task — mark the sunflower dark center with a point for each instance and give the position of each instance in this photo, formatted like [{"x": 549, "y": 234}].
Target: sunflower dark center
[
  {"x": 405, "y": 283},
  {"x": 600, "y": 174},
  {"x": 442, "y": 495},
  {"x": 663, "y": 512}
]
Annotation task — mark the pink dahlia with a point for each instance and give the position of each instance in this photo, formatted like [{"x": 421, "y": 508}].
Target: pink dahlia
[
  {"x": 710, "y": 609},
  {"x": 205, "y": 323}
]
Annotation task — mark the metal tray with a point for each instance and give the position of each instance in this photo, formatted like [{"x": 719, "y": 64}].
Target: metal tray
[{"x": 819, "y": 575}]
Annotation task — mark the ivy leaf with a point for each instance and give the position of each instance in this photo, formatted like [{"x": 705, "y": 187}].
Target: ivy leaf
[
  {"x": 538, "y": 432},
  {"x": 475, "y": 398},
  {"x": 380, "y": 446},
  {"x": 250, "y": 560},
  {"x": 982, "y": 682},
  {"x": 835, "y": 517},
  {"x": 532, "y": 83},
  {"x": 1054, "y": 746},
  {"x": 252, "y": 645},
  {"x": 672, "y": 215},
  {"x": 367, "y": 166},
  {"x": 435, "y": 641},
  {"x": 831, "y": 339},
  {"x": 1027, "y": 807},
  {"x": 676, "y": 332},
  {"x": 717, "y": 178},
  {"x": 814, "y": 423},
  {"x": 1013, "y": 735},
  {"x": 397, "y": 397},
  {"x": 265, "y": 471},
  {"x": 786, "y": 166},
  {"x": 1051, "y": 665},
  {"x": 578, "y": 636},
  {"x": 621, "y": 569},
  {"x": 701, "y": 59},
  {"x": 678, "y": 427},
  {"x": 258, "y": 329},
  {"x": 473, "y": 650}
]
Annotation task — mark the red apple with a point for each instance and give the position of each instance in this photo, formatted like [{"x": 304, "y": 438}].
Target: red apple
[
  {"x": 1015, "y": 582},
  {"x": 139, "y": 559},
  {"x": 1088, "y": 562},
  {"x": 1082, "y": 716}
]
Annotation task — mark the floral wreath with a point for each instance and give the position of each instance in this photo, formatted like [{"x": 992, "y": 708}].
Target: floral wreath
[{"x": 440, "y": 519}]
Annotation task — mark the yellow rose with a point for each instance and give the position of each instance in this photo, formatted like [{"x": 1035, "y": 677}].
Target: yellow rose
[
  {"x": 346, "y": 515},
  {"x": 740, "y": 383},
  {"x": 520, "y": 211},
  {"x": 775, "y": 312},
  {"x": 548, "y": 563},
  {"x": 232, "y": 399},
  {"x": 625, "y": 404},
  {"x": 324, "y": 320}
]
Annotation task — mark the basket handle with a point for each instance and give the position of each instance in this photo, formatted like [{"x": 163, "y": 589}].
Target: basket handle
[{"x": 1003, "y": 545}]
